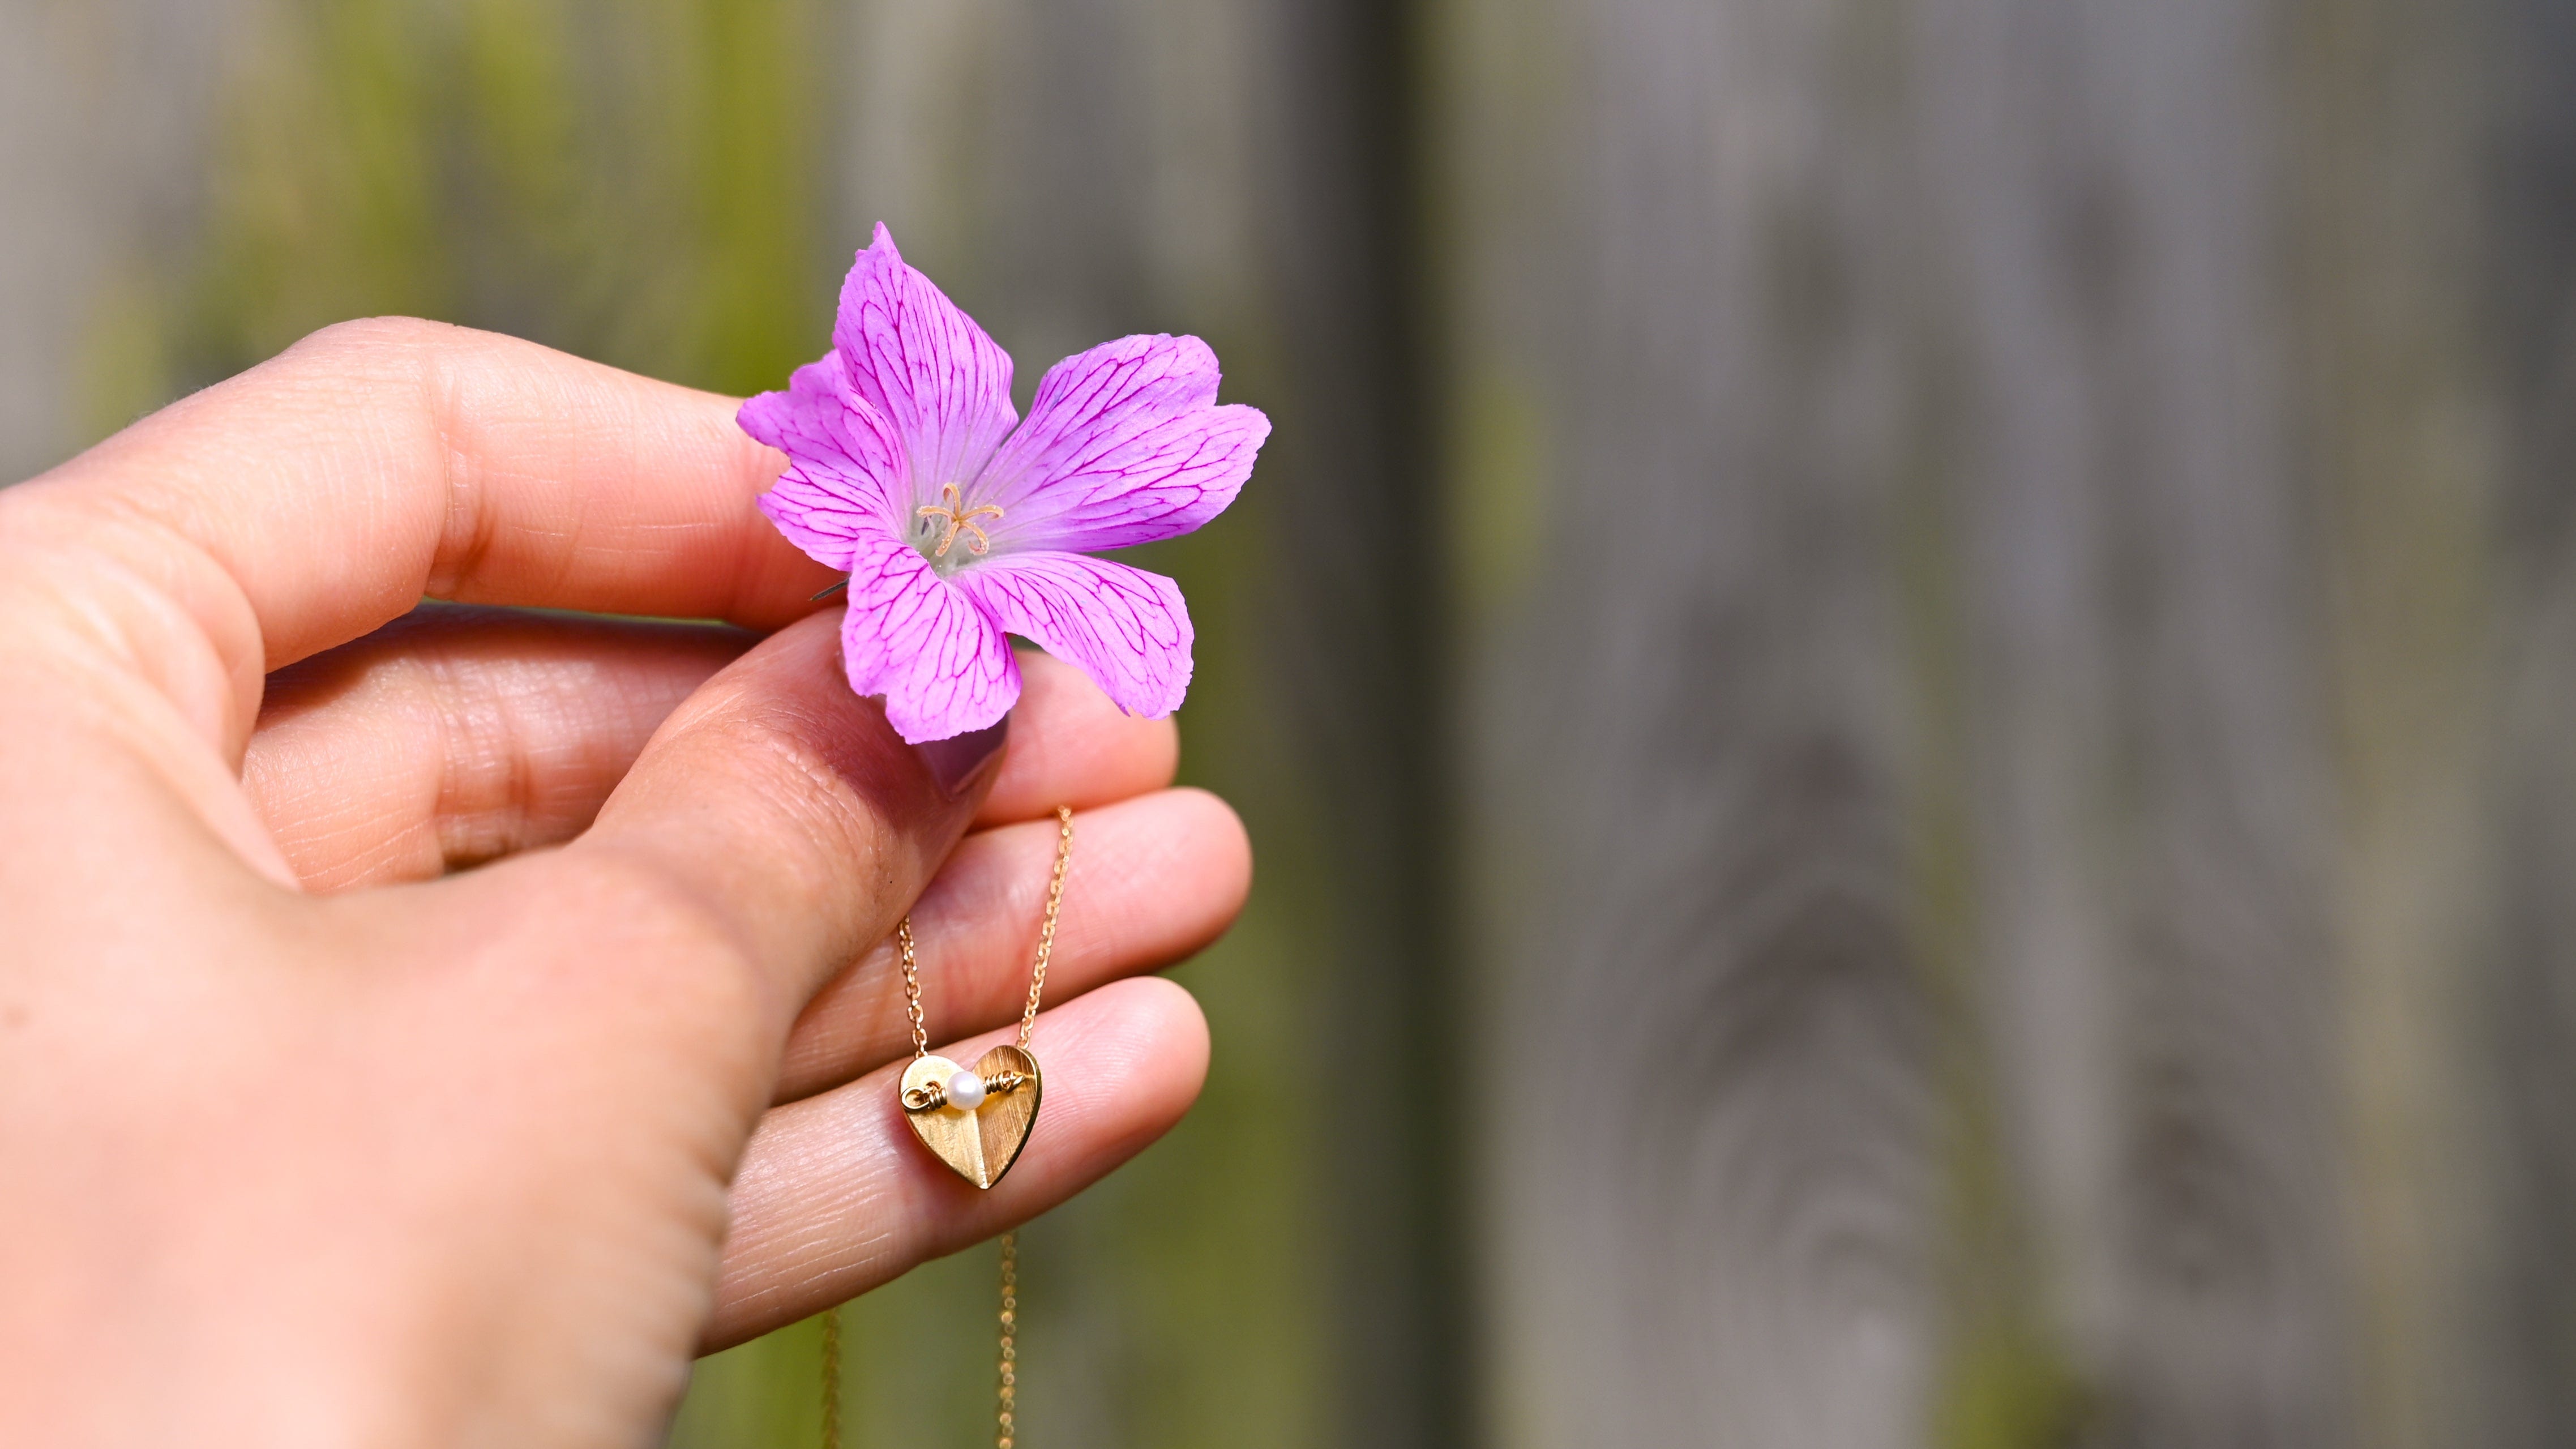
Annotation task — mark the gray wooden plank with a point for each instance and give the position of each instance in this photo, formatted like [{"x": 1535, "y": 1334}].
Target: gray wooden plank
[
  {"x": 2517, "y": 1328},
  {"x": 2146, "y": 661},
  {"x": 1710, "y": 1048},
  {"x": 1824, "y": 285}
]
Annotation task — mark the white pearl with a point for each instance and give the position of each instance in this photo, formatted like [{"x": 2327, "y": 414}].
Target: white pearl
[{"x": 965, "y": 1091}]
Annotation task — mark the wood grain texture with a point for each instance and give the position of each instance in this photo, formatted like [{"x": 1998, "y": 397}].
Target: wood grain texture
[
  {"x": 1925, "y": 646},
  {"x": 2515, "y": 1300},
  {"x": 1713, "y": 1168},
  {"x": 2144, "y": 666},
  {"x": 1923, "y": 389}
]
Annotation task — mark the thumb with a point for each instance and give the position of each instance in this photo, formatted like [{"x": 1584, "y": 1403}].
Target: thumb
[{"x": 787, "y": 810}]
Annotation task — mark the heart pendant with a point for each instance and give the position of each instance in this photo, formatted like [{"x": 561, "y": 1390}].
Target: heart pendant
[{"x": 981, "y": 1138}]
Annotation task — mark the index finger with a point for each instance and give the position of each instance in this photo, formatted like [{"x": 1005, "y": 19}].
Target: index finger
[{"x": 375, "y": 463}]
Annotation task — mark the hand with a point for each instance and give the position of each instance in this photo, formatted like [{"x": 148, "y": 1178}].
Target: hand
[{"x": 311, "y": 1135}]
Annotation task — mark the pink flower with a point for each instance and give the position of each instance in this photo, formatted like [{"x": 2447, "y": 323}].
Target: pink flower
[{"x": 960, "y": 523}]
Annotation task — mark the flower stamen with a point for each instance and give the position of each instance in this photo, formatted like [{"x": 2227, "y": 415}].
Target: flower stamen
[{"x": 960, "y": 519}]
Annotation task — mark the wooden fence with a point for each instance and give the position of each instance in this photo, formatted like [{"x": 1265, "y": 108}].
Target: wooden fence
[{"x": 1906, "y": 669}]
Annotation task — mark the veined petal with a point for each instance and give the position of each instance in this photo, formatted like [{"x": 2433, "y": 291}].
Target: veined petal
[
  {"x": 919, "y": 641},
  {"x": 1126, "y": 628},
  {"x": 925, "y": 367},
  {"x": 1124, "y": 444},
  {"x": 844, "y": 472}
]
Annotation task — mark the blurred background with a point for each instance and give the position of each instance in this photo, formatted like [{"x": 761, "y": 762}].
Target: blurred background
[{"x": 1903, "y": 668}]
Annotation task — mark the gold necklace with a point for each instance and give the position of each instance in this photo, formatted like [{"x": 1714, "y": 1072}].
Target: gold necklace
[{"x": 976, "y": 1122}]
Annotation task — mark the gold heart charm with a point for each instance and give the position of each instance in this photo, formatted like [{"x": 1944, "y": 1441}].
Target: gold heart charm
[{"x": 983, "y": 1140}]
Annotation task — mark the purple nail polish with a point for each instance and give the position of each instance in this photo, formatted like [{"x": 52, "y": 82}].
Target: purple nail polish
[{"x": 954, "y": 762}]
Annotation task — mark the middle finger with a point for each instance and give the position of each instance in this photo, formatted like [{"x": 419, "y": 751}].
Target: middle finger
[{"x": 1153, "y": 880}]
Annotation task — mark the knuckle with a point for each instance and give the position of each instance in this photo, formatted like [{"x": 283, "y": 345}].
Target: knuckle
[
  {"x": 662, "y": 934},
  {"x": 378, "y": 336},
  {"x": 807, "y": 791}
]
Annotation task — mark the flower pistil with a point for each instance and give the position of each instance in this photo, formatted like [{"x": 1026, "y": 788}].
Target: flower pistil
[{"x": 952, "y": 509}]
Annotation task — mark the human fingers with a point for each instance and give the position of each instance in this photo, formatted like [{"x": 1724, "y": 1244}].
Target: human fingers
[
  {"x": 789, "y": 814},
  {"x": 1087, "y": 752},
  {"x": 456, "y": 735},
  {"x": 835, "y": 1195},
  {"x": 1152, "y": 880},
  {"x": 326, "y": 491}
]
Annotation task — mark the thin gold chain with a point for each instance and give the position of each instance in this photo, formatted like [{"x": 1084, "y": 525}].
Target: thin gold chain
[
  {"x": 832, "y": 1377},
  {"x": 1037, "y": 973},
  {"x": 1046, "y": 928},
  {"x": 1007, "y": 1394},
  {"x": 1006, "y": 1428},
  {"x": 912, "y": 987}
]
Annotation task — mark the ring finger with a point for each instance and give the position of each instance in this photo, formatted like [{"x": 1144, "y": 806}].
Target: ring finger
[{"x": 835, "y": 1197}]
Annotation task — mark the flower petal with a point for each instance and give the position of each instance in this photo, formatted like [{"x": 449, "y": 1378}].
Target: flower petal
[
  {"x": 844, "y": 475},
  {"x": 925, "y": 367},
  {"x": 1124, "y": 445},
  {"x": 916, "y": 639},
  {"x": 1126, "y": 628}
]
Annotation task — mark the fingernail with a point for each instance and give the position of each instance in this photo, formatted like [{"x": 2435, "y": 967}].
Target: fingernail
[{"x": 956, "y": 761}]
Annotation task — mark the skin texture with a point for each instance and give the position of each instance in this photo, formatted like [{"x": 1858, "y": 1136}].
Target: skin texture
[{"x": 315, "y": 1136}]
